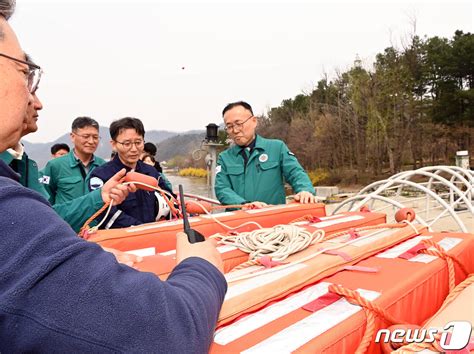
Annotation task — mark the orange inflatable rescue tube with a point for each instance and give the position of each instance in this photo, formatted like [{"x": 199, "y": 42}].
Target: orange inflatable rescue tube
[
  {"x": 140, "y": 179},
  {"x": 161, "y": 235}
]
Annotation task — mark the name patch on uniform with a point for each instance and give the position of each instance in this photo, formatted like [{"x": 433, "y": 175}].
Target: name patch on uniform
[
  {"x": 218, "y": 169},
  {"x": 96, "y": 183},
  {"x": 263, "y": 158},
  {"x": 44, "y": 179},
  {"x": 290, "y": 153}
]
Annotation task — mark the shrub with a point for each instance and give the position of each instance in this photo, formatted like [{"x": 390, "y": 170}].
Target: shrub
[
  {"x": 318, "y": 176},
  {"x": 193, "y": 172}
]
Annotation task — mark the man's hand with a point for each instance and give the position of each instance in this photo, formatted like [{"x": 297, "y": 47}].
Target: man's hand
[
  {"x": 114, "y": 190},
  {"x": 206, "y": 250},
  {"x": 254, "y": 205},
  {"x": 124, "y": 258},
  {"x": 305, "y": 197}
]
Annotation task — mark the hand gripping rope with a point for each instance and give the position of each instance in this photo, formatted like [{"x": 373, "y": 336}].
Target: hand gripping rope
[{"x": 149, "y": 184}]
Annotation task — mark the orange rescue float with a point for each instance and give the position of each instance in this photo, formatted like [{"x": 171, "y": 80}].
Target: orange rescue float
[{"x": 161, "y": 236}]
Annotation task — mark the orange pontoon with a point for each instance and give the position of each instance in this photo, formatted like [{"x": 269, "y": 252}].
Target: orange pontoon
[
  {"x": 163, "y": 263},
  {"x": 396, "y": 284},
  {"x": 161, "y": 236}
]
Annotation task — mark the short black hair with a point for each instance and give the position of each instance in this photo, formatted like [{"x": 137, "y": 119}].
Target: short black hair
[
  {"x": 126, "y": 123},
  {"x": 60, "y": 146},
  {"x": 150, "y": 149},
  {"x": 82, "y": 122},
  {"x": 237, "y": 104}
]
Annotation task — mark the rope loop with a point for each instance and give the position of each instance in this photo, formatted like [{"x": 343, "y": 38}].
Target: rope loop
[
  {"x": 278, "y": 242},
  {"x": 371, "y": 310}
]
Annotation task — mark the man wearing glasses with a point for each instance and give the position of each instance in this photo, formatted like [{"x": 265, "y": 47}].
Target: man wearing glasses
[
  {"x": 76, "y": 211},
  {"x": 61, "y": 293},
  {"x": 253, "y": 172},
  {"x": 128, "y": 140},
  {"x": 67, "y": 177}
]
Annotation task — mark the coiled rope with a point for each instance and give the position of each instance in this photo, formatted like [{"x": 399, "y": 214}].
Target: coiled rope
[
  {"x": 232, "y": 278},
  {"x": 278, "y": 242}
]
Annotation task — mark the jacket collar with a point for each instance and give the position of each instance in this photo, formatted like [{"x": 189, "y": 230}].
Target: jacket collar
[
  {"x": 259, "y": 145},
  {"x": 116, "y": 161},
  {"x": 75, "y": 161},
  {"x": 6, "y": 157},
  {"x": 7, "y": 171}
]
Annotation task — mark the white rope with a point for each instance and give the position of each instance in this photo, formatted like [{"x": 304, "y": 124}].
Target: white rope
[
  {"x": 95, "y": 228},
  {"x": 278, "y": 242},
  {"x": 220, "y": 222},
  {"x": 411, "y": 225}
]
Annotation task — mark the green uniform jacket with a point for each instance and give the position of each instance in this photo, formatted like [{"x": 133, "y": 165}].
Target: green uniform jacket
[
  {"x": 263, "y": 178},
  {"x": 166, "y": 181},
  {"x": 74, "y": 212},
  {"x": 65, "y": 179}
]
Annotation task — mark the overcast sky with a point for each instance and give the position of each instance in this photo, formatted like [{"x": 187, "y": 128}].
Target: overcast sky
[{"x": 175, "y": 64}]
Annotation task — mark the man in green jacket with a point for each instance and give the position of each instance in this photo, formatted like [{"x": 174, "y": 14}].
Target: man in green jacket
[
  {"x": 255, "y": 169},
  {"x": 75, "y": 212},
  {"x": 67, "y": 177}
]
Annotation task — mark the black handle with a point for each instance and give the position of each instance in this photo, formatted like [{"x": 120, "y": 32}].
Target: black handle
[{"x": 193, "y": 235}]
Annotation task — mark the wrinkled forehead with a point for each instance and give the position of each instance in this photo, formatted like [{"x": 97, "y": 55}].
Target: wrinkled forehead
[
  {"x": 88, "y": 129},
  {"x": 128, "y": 133}
]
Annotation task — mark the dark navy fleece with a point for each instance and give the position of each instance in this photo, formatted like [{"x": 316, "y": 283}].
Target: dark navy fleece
[
  {"x": 139, "y": 207},
  {"x": 59, "y": 293}
]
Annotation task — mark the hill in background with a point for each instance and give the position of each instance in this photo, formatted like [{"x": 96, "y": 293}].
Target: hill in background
[
  {"x": 169, "y": 143},
  {"x": 179, "y": 145}
]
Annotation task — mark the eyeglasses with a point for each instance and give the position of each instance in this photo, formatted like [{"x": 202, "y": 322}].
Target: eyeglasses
[
  {"x": 128, "y": 144},
  {"x": 237, "y": 125},
  {"x": 34, "y": 73},
  {"x": 86, "y": 137}
]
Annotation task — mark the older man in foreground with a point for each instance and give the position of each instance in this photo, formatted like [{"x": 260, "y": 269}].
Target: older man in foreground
[{"x": 60, "y": 293}]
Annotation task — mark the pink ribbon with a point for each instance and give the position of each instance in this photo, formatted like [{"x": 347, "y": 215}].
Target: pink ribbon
[
  {"x": 412, "y": 252},
  {"x": 321, "y": 302},
  {"x": 267, "y": 262}
]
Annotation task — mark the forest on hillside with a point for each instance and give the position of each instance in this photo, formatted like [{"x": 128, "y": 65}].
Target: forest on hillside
[{"x": 413, "y": 107}]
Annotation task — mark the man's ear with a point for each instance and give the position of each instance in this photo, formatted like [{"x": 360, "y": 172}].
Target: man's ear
[{"x": 254, "y": 121}]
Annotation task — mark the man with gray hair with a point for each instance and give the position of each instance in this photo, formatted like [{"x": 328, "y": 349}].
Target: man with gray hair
[
  {"x": 63, "y": 294},
  {"x": 67, "y": 177}
]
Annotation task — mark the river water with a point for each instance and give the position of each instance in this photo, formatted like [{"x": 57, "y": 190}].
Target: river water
[{"x": 193, "y": 185}]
